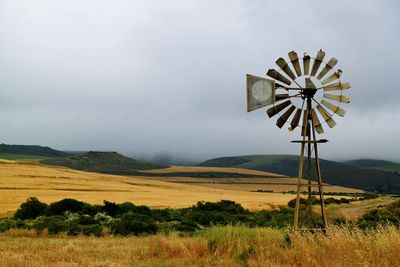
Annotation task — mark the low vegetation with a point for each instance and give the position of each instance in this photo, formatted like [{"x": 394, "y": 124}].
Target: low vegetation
[{"x": 76, "y": 217}]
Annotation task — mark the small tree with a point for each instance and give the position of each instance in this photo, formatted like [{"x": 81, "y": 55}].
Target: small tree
[{"x": 30, "y": 209}]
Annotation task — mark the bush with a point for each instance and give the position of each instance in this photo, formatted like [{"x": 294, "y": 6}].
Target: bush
[
  {"x": 227, "y": 206},
  {"x": 110, "y": 208},
  {"x": 5, "y": 224},
  {"x": 67, "y": 204},
  {"x": 30, "y": 209},
  {"x": 129, "y": 207},
  {"x": 53, "y": 224},
  {"x": 93, "y": 229},
  {"x": 132, "y": 223}
]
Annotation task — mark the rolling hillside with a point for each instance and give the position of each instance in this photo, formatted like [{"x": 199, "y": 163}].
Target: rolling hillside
[
  {"x": 29, "y": 151},
  {"x": 103, "y": 162},
  {"x": 333, "y": 172},
  {"x": 374, "y": 164}
]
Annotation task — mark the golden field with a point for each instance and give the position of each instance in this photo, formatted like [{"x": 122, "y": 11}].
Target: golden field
[
  {"x": 172, "y": 169},
  {"x": 18, "y": 181},
  {"x": 251, "y": 184},
  {"x": 271, "y": 183},
  {"x": 217, "y": 246}
]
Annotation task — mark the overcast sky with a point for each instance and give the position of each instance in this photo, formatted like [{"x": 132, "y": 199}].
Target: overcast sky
[{"x": 149, "y": 78}]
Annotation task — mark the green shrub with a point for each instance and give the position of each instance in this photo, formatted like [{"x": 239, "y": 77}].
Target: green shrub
[
  {"x": 132, "y": 223},
  {"x": 85, "y": 219},
  {"x": 53, "y": 224},
  {"x": 6, "y": 224},
  {"x": 30, "y": 209},
  {"x": 110, "y": 208},
  {"x": 93, "y": 229},
  {"x": 127, "y": 207},
  {"x": 67, "y": 204}
]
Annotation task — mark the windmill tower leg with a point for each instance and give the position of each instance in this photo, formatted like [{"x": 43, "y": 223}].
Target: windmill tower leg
[
  {"x": 309, "y": 138},
  {"x": 319, "y": 180},
  {"x": 300, "y": 175}
]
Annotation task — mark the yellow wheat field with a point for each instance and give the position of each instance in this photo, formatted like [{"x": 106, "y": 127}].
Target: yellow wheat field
[
  {"x": 18, "y": 181},
  {"x": 218, "y": 246},
  {"x": 211, "y": 169}
]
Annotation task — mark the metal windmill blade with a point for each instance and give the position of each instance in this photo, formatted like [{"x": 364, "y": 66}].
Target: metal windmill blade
[
  {"x": 333, "y": 77},
  {"x": 295, "y": 121},
  {"x": 317, "y": 62},
  {"x": 338, "y": 86},
  {"x": 315, "y": 122},
  {"x": 279, "y": 97},
  {"x": 331, "y": 63},
  {"x": 282, "y": 119},
  {"x": 295, "y": 62},
  {"x": 335, "y": 109},
  {"x": 277, "y": 76},
  {"x": 306, "y": 63},
  {"x": 285, "y": 67},
  {"x": 338, "y": 98},
  {"x": 272, "y": 111},
  {"x": 327, "y": 118}
]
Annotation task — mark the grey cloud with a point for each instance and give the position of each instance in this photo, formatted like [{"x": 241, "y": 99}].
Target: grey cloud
[{"x": 167, "y": 77}]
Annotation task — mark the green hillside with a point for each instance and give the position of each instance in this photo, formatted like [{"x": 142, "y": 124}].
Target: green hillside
[
  {"x": 11, "y": 156},
  {"x": 103, "y": 162},
  {"x": 374, "y": 164},
  {"x": 29, "y": 152},
  {"x": 333, "y": 172}
]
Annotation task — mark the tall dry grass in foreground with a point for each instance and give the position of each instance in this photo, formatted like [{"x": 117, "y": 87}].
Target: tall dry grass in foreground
[{"x": 217, "y": 246}]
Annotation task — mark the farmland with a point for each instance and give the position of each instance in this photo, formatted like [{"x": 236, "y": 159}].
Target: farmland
[
  {"x": 18, "y": 181},
  {"x": 268, "y": 182}
]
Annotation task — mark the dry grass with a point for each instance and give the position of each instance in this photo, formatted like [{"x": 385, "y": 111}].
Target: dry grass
[
  {"x": 218, "y": 246},
  {"x": 211, "y": 169},
  {"x": 18, "y": 181},
  {"x": 354, "y": 210}
]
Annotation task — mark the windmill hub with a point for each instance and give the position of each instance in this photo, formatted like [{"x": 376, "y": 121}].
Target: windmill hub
[
  {"x": 280, "y": 93},
  {"x": 308, "y": 93}
]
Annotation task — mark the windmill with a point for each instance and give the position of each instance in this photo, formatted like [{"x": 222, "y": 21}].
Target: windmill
[{"x": 303, "y": 96}]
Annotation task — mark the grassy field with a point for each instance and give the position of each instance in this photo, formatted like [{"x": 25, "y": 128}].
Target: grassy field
[
  {"x": 18, "y": 181},
  {"x": 281, "y": 184},
  {"x": 19, "y": 157},
  {"x": 173, "y": 169},
  {"x": 354, "y": 210},
  {"x": 217, "y": 246}
]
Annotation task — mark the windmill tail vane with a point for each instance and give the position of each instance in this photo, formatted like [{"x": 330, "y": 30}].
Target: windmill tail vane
[{"x": 307, "y": 93}]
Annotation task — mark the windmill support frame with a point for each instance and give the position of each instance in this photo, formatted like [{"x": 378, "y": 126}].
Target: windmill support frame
[{"x": 309, "y": 144}]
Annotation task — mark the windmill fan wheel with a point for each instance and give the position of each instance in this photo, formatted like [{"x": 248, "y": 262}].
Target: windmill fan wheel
[{"x": 304, "y": 79}]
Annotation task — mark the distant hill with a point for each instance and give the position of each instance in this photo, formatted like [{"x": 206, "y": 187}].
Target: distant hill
[
  {"x": 375, "y": 164},
  {"x": 103, "y": 162},
  {"x": 333, "y": 172},
  {"x": 31, "y": 150}
]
